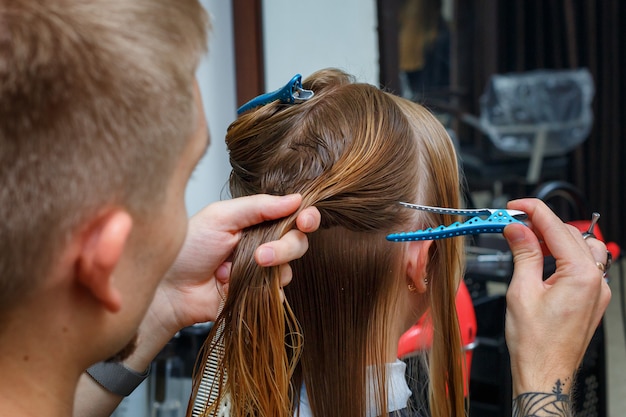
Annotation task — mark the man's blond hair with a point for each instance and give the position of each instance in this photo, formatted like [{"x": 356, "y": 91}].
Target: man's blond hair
[{"x": 96, "y": 105}]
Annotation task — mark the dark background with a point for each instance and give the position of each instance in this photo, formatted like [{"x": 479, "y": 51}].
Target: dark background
[{"x": 499, "y": 36}]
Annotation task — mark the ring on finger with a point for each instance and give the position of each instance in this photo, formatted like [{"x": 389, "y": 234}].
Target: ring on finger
[
  {"x": 604, "y": 267},
  {"x": 609, "y": 261}
]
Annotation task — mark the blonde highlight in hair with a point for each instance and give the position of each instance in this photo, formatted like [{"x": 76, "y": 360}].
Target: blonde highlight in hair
[{"x": 353, "y": 153}]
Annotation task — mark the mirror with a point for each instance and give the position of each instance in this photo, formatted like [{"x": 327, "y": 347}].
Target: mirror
[{"x": 424, "y": 47}]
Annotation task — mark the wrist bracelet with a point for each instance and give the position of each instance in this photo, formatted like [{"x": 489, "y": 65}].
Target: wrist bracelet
[{"x": 117, "y": 378}]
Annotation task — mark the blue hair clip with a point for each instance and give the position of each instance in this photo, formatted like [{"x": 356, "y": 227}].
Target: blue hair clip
[
  {"x": 482, "y": 221},
  {"x": 291, "y": 93}
]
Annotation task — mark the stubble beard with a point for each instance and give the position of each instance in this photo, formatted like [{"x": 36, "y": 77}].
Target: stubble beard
[{"x": 125, "y": 352}]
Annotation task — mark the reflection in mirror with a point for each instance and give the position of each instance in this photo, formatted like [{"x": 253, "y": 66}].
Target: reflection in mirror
[{"x": 424, "y": 47}]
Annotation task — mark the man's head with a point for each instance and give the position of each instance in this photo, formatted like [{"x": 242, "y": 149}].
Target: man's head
[{"x": 96, "y": 106}]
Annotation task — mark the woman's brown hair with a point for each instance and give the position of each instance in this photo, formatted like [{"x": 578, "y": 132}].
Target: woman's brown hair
[{"x": 354, "y": 152}]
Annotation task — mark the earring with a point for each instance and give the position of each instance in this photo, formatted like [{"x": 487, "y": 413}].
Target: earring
[
  {"x": 426, "y": 281},
  {"x": 412, "y": 288}
]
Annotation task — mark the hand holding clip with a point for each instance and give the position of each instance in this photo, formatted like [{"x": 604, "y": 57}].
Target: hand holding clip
[
  {"x": 549, "y": 323},
  {"x": 495, "y": 222}
]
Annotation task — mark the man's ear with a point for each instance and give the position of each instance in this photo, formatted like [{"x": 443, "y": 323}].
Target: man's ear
[
  {"x": 416, "y": 264},
  {"x": 101, "y": 248}
]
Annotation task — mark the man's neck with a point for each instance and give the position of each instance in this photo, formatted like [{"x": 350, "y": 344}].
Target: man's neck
[
  {"x": 34, "y": 388},
  {"x": 38, "y": 367}
]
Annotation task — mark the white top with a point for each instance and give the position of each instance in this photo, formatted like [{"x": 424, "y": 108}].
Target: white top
[{"x": 398, "y": 392}]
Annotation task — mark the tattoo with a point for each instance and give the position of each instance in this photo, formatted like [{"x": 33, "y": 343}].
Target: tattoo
[{"x": 543, "y": 404}]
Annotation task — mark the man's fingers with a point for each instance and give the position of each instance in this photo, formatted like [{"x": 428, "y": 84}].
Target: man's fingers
[
  {"x": 308, "y": 220},
  {"x": 291, "y": 246},
  {"x": 598, "y": 250},
  {"x": 527, "y": 255},
  {"x": 556, "y": 234},
  {"x": 238, "y": 213},
  {"x": 222, "y": 273},
  {"x": 285, "y": 274}
]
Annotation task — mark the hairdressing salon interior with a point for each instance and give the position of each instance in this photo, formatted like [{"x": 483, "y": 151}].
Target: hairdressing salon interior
[{"x": 531, "y": 91}]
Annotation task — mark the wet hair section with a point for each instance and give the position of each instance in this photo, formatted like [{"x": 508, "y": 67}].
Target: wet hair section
[{"x": 354, "y": 152}]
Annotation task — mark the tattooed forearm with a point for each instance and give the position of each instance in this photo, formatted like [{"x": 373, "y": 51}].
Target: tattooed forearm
[
  {"x": 543, "y": 404},
  {"x": 540, "y": 404}
]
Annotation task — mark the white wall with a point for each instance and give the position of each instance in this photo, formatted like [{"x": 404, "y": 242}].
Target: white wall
[
  {"x": 303, "y": 36},
  {"x": 216, "y": 76},
  {"x": 300, "y": 37}
]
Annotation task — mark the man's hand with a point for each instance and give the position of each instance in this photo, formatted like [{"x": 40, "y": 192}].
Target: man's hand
[
  {"x": 193, "y": 288},
  {"x": 549, "y": 324}
]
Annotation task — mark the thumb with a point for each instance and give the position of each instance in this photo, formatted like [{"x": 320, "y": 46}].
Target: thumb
[{"x": 527, "y": 257}]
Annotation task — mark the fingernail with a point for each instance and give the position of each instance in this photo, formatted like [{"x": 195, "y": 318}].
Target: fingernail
[
  {"x": 222, "y": 273},
  {"x": 307, "y": 222},
  {"x": 290, "y": 197},
  {"x": 265, "y": 255},
  {"x": 515, "y": 234}
]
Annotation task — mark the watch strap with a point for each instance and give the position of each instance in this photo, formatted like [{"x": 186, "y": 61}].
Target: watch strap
[{"x": 117, "y": 378}]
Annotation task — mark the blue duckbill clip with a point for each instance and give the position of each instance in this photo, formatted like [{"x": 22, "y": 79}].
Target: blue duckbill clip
[
  {"x": 494, "y": 222},
  {"x": 291, "y": 93}
]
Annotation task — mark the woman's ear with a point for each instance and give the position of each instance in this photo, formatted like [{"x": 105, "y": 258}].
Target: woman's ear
[
  {"x": 101, "y": 248},
  {"x": 417, "y": 261}
]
